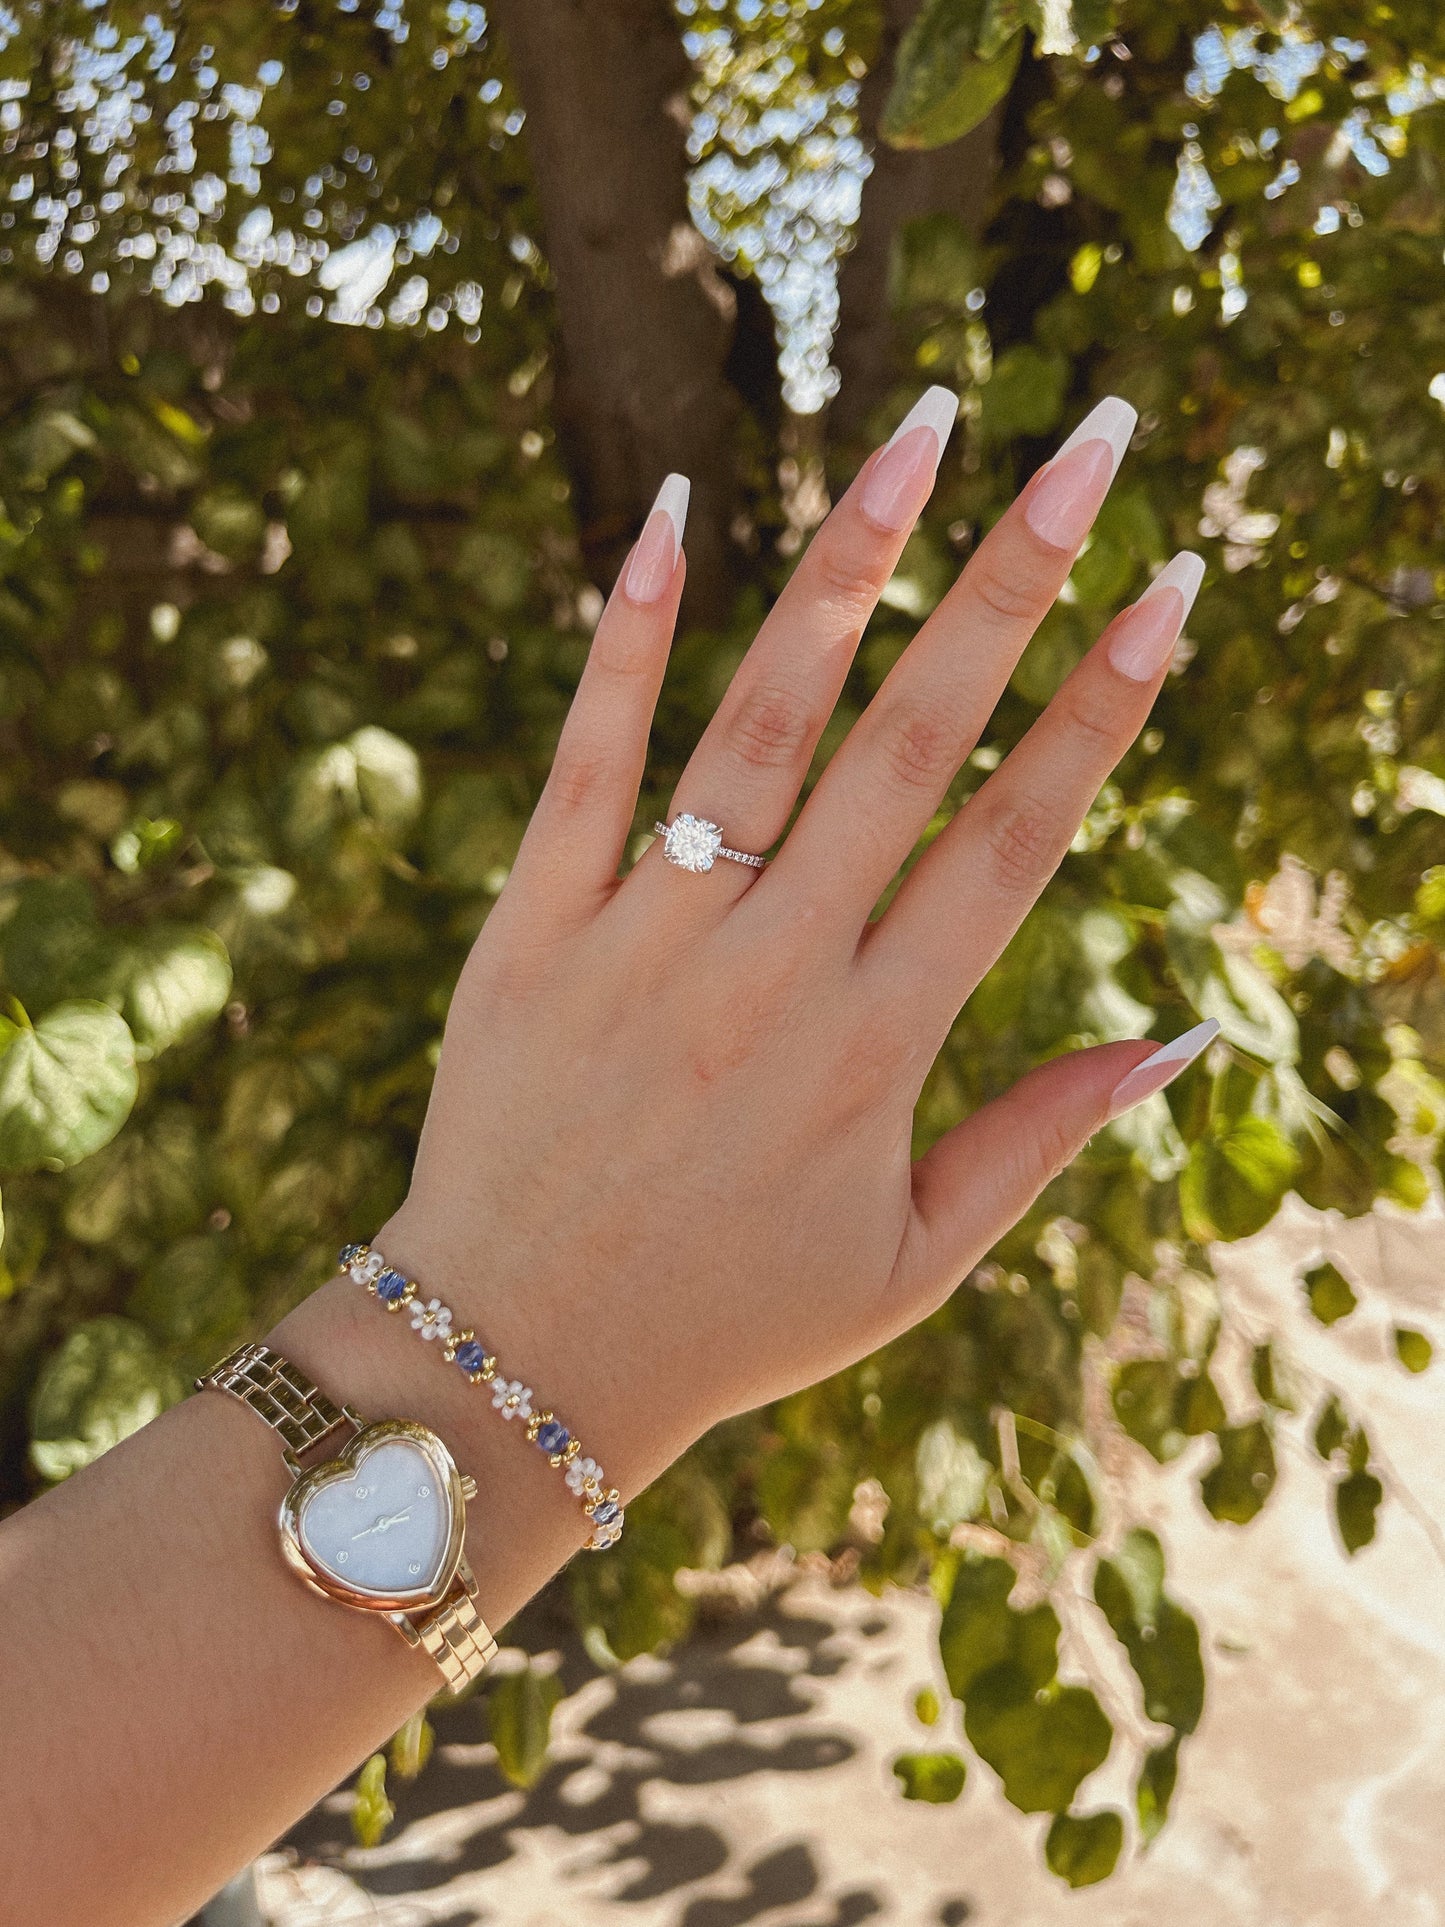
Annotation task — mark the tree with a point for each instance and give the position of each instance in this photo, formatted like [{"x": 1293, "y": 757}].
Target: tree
[{"x": 310, "y": 469}]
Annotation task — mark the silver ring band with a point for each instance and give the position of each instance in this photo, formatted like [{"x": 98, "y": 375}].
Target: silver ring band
[{"x": 692, "y": 843}]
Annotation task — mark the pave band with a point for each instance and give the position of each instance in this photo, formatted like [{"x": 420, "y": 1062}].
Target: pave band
[{"x": 693, "y": 843}]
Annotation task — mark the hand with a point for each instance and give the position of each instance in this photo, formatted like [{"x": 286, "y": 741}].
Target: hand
[{"x": 666, "y": 1167}]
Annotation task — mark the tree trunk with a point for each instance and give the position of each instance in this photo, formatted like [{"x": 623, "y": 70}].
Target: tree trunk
[
  {"x": 645, "y": 319},
  {"x": 904, "y": 185}
]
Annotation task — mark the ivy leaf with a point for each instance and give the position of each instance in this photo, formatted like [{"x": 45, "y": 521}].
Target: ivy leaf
[
  {"x": 173, "y": 980},
  {"x": 67, "y": 1084},
  {"x": 51, "y": 945},
  {"x": 1331, "y": 1429},
  {"x": 1236, "y": 1179},
  {"x": 1161, "y": 1639},
  {"x": 1329, "y": 1293},
  {"x": 1042, "y": 1742},
  {"x": 1357, "y": 1499},
  {"x": 371, "y": 1812},
  {"x": 1413, "y": 1349},
  {"x": 944, "y": 82},
  {"x": 1083, "y": 1848},
  {"x": 519, "y": 1716},
  {"x": 935, "y": 1777},
  {"x": 105, "y": 1382},
  {"x": 1156, "y": 1788},
  {"x": 1236, "y": 1486}
]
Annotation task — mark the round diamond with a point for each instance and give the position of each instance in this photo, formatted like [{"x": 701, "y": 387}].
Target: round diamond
[{"x": 692, "y": 843}]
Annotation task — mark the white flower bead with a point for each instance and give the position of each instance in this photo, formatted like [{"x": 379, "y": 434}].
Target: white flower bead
[
  {"x": 512, "y": 1398},
  {"x": 579, "y": 1472}
]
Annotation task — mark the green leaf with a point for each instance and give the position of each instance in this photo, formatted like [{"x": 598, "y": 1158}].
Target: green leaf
[
  {"x": 1236, "y": 1179},
  {"x": 411, "y": 1746},
  {"x": 1145, "y": 1400},
  {"x": 193, "y": 1302},
  {"x": 105, "y": 1382},
  {"x": 1156, "y": 1788},
  {"x": 1083, "y": 1848},
  {"x": 519, "y": 1716},
  {"x": 1329, "y": 1294},
  {"x": 1024, "y": 395},
  {"x": 942, "y": 87},
  {"x": 1414, "y": 1349},
  {"x": 1042, "y": 1742},
  {"x": 371, "y": 1812},
  {"x": 66, "y": 1085},
  {"x": 1331, "y": 1429},
  {"x": 978, "y": 1629},
  {"x": 173, "y": 980},
  {"x": 1237, "y": 1485},
  {"x": 935, "y": 1777},
  {"x": 1161, "y": 1639},
  {"x": 51, "y": 946},
  {"x": 1357, "y": 1499}
]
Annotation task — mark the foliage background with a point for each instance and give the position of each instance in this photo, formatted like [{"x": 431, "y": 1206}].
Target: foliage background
[{"x": 290, "y": 611}]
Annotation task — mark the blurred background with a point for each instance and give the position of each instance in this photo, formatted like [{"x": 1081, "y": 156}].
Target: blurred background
[{"x": 342, "y": 347}]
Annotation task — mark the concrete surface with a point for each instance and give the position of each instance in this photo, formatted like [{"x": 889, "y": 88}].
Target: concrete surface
[{"x": 746, "y": 1778}]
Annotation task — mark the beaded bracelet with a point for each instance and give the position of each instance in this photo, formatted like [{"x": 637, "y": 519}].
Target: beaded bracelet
[{"x": 584, "y": 1476}]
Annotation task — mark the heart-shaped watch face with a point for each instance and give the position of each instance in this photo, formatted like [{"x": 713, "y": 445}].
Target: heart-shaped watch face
[{"x": 380, "y": 1525}]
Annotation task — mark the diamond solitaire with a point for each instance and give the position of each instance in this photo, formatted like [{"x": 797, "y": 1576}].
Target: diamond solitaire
[{"x": 692, "y": 843}]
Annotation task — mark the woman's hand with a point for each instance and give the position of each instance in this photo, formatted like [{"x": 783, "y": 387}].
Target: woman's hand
[{"x": 666, "y": 1168}]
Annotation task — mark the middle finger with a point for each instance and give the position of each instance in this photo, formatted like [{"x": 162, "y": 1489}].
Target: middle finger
[{"x": 876, "y": 797}]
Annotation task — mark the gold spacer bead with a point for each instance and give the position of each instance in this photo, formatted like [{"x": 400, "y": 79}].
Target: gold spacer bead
[
  {"x": 393, "y": 1304},
  {"x": 488, "y": 1371},
  {"x": 571, "y": 1450},
  {"x": 474, "y": 1377},
  {"x": 535, "y": 1424}
]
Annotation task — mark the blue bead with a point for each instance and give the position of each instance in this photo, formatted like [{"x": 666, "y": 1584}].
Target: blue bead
[
  {"x": 604, "y": 1514},
  {"x": 553, "y": 1437},
  {"x": 471, "y": 1356},
  {"x": 390, "y": 1284},
  {"x": 348, "y": 1252}
]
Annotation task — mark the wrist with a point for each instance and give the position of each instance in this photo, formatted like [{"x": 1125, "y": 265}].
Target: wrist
[
  {"x": 556, "y": 1342},
  {"x": 523, "y": 1524}
]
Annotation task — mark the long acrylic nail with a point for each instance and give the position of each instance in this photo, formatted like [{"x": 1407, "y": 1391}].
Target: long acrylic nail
[
  {"x": 1066, "y": 495},
  {"x": 903, "y": 471},
  {"x": 1162, "y": 1068},
  {"x": 655, "y": 556},
  {"x": 1145, "y": 635}
]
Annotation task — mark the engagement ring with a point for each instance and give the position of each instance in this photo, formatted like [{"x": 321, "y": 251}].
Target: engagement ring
[{"x": 692, "y": 843}]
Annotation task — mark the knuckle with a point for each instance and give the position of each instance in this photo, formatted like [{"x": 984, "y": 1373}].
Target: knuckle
[
  {"x": 921, "y": 745},
  {"x": 576, "y": 780},
  {"x": 1021, "y": 842},
  {"x": 1050, "y": 1150},
  {"x": 1003, "y": 592},
  {"x": 848, "y": 580},
  {"x": 772, "y": 728},
  {"x": 1089, "y": 717}
]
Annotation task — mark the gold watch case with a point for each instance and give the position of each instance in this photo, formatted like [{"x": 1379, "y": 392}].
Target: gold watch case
[{"x": 452, "y": 1491}]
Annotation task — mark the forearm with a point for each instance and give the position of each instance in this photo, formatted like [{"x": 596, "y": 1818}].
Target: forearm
[{"x": 158, "y": 1650}]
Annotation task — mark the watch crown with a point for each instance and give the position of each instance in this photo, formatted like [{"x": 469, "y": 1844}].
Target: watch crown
[{"x": 469, "y": 1486}]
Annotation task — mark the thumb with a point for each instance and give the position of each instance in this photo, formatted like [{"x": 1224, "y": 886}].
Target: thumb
[{"x": 980, "y": 1177}]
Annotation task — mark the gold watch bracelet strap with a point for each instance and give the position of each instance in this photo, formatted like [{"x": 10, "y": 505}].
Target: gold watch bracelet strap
[{"x": 280, "y": 1394}]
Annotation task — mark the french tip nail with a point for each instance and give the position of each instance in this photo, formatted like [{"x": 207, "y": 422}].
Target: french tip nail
[
  {"x": 1111, "y": 420},
  {"x": 1162, "y": 1066},
  {"x": 1184, "y": 572},
  {"x": 672, "y": 499},
  {"x": 936, "y": 408}
]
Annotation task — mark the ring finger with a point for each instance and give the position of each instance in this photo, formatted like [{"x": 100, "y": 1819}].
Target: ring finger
[{"x": 749, "y": 765}]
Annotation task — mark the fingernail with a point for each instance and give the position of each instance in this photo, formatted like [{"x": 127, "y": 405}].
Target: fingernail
[
  {"x": 1162, "y": 1068},
  {"x": 655, "y": 556},
  {"x": 904, "y": 468},
  {"x": 1067, "y": 492},
  {"x": 1145, "y": 635}
]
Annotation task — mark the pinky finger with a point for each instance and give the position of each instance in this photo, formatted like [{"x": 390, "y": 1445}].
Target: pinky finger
[
  {"x": 578, "y": 830},
  {"x": 981, "y": 1177}
]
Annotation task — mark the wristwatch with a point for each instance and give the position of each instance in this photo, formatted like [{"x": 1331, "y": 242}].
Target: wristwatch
[{"x": 378, "y": 1526}]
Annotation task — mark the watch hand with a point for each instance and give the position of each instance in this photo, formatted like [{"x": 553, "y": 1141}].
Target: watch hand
[{"x": 383, "y": 1524}]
